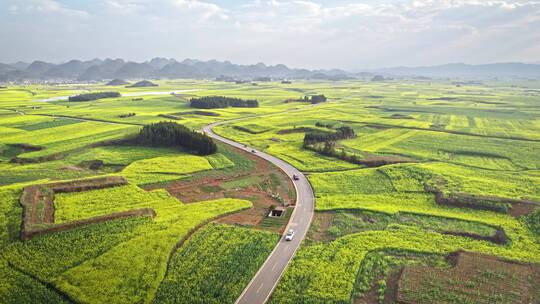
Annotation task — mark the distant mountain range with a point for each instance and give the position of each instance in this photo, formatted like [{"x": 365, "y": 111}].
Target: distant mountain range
[
  {"x": 97, "y": 70},
  {"x": 156, "y": 68}
]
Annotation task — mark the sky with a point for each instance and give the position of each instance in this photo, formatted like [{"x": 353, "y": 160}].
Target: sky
[{"x": 299, "y": 33}]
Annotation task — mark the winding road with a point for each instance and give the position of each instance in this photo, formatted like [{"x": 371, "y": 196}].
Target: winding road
[
  {"x": 260, "y": 288},
  {"x": 264, "y": 282}
]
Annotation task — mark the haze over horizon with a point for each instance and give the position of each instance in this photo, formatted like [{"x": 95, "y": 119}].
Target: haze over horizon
[{"x": 342, "y": 34}]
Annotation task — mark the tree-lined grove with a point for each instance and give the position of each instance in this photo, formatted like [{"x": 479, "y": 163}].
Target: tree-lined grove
[
  {"x": 166, "y": 134},
  {"x": 94, "y": 96},
  {"x": 343, "y": 132},
  {"x": 213, "y": 102}
]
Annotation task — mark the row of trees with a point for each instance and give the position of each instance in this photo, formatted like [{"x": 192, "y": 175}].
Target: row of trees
[
  {"x": 165, "y": 134},
  {"x": 324, "y": 125},
  {"x": 312, "y": 99},
  {"x": 94, "y": 96},
  {"x": 213, "y": 102},
  {"x": 343, "y": 132},
  {"x": 329, "y": 149}
]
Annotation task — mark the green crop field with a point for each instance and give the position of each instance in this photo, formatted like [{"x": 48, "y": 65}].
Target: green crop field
[
  {"x": 215, "y": 278},
  {"x": 438, "y": 168}
]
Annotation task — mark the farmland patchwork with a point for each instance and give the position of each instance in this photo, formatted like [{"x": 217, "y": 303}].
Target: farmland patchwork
[{"x": 434, "y": 195}]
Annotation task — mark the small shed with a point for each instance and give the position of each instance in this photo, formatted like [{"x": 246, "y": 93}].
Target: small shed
[{"x": 278, "y": 211}]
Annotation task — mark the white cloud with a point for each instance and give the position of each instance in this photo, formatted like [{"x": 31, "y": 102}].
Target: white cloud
[
  {"x": 124, "y": 8},
  {"x": 206, "y": 10},
  {"x": 302, "y": 32},
  {"x": 51, "y": 6}
]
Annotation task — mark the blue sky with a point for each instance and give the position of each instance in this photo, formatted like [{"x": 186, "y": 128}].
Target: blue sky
[{"x": 300, "y": 33}]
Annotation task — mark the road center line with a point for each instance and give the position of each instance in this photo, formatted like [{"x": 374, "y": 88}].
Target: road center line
[{"x": 259, "y": 289}]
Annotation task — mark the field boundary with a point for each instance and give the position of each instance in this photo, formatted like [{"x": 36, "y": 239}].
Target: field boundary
[
  {"x": 37, "y": 202},
  {"x": 369, "y": 124}
]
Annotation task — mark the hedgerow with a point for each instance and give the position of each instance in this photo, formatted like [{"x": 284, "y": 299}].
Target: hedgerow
[
  {"x": 213, "y": 102},
  {"x": 94, "y": 96}
]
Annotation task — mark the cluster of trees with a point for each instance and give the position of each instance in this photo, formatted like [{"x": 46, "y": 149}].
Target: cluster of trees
[
  {"x": 311, "y": 99},
  {"x": 318, "y": 98},
  {"x": 213, "y": 102},
  {"x": 173, "y": 134},
  {"x": 94, "y": 96},
  {"x": 329, "y": 149},
  {"x": 324, "y": 125},
  {"x": 325, "y": 142},
  {"x": 343, "y": 132}
]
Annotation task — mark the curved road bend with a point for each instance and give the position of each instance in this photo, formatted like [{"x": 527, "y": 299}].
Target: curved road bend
[{"x": 265, "y": 280}]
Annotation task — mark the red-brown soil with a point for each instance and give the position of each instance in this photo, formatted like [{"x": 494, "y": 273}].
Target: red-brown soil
[
  {"x": 260, "y": 192},
  {"x": 262, "y": 203},
  {"x": 37, "y": 202},
  {"x": 323, "y": 220},
  {"x": 474, "y": 278}
]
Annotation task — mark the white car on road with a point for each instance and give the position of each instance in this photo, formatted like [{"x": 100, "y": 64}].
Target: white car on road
[{"x": 289, "y": 236}]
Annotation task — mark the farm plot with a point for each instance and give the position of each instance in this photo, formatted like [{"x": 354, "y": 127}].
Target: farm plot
[
  {"x": 81, "y": 205},
  {"x": 119, "y": 155},
  {"x": 38, "y": 172},
  {"x": 196, "y": 274},
  {"x": 354, "y": 190},
  {"x": 141, "y": 259},
  {"x": 402, "y": 192},
  {"x": 378, "y": 267},
  {"x": 473, "y": 279},
  {"x": 330, "y": 225},
  {"x": 241, "y": 175},
  {"x": 18, "y": 287},
  {"x": 165, "y": 168},
  {"x": 378, "y": 215},
  {"x": 67, "y": 137},
  {"x": 478, "y": 152},
  {"x": 325, "y": 269},
  {"x": 251, "y": 128},
  {"x": 39, "y": 210}
]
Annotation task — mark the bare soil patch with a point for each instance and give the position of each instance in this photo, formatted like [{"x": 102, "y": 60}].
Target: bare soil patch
[
  {"x": 474, "y": 278},
  {"x": 323, "y": 222},
  {"x": 371, "y": 296},
  {"x": 513, "y": 207},
  {"x": 262, "y": 203},
  {"x": 264, "y": 185}
]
